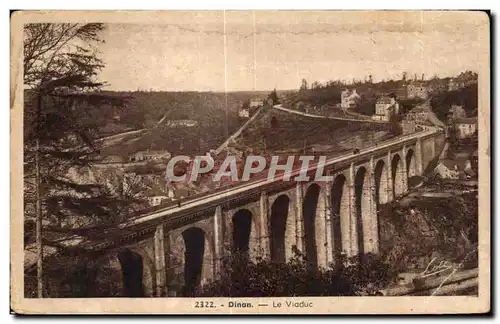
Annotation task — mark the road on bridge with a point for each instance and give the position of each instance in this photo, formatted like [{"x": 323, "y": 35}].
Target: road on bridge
[{"x": 280, "y": 107}]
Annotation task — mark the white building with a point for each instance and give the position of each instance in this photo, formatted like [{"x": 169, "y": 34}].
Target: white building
[
  {"x": 348, "y": 98},
  {"x": 181, "y": 123},
  {"x": 417, "y": 89},
  {"x": 255, "y": 103},
  {"x": 385, "y": 107},
  {"x": 150, "y": 155},
  {"x": 244, "y": 113},
  {"x": 465, "y": 127}
]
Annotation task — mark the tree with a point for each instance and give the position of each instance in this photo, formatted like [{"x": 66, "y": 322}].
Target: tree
[
  {"x": 395, "y": 125},
  {"x": 246, "y": 104},
  {"x": 274, "y": 97},
  {"x": 303, "y": 85},
  {"x": 60, "y": 72},
  {"x": 241, "y": 277},
  {"x": 467, "y": 97},
  {"x": 366, "y": 104}
]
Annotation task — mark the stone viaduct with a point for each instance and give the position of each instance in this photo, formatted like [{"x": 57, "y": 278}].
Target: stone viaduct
[{"x": 174, "y": 249}]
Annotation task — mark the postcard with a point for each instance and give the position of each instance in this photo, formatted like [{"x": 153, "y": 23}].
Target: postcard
[{"x": 250, "y": 162}]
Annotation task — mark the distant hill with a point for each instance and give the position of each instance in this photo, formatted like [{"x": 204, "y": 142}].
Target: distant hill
[{"x": 145, "y": 108}]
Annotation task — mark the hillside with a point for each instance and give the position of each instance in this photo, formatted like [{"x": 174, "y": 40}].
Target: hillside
[
  {"x": 468, "y": 97},
  {"x": 216, "y": 114},
  {"x": 281, "y": 132},
  {"x": 145, "y": 109}
]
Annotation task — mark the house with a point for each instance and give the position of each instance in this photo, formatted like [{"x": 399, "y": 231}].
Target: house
[
  {"x": 410, "y": 126},
  {"x": 467, "y": 78},
  {"x": 453, "y": 85},
  {"x": 348, "y": 98},
  {"x": 456, "y": 112},
  {"x": 181, "y": 123},
  {"x": 300, "y": 106},
  {"x": 113, "y": 158},
  {"x": 420, "y": 118},
  {"x": 153, "y": 187},
  {"x": 399, "y": 93},
  {"x": 437, "y": 85},
  {"x": 385, "y": 107},
  {"x": 463, "y": 80},
  {"x": 244, "y": 113},
  {"x": 418, "y": 114},
  {"x": 417, "y": 89},
  {"x": 456, "y": 168},
  {"x": 156, "y": 195},
  {"x": 446, "y": 170},
  {"x": 249, "y": 110},
  {"x": 255, "y": 103},
  {"x": 465, "y": 127},
  {"x": 150, "y": 155}
]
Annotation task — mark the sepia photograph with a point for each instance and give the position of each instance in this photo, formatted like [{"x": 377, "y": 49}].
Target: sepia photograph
[{"x": 239, "y": 162}]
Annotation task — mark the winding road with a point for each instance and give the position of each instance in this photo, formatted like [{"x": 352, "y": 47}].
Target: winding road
[{"x": 280, "y": 107}]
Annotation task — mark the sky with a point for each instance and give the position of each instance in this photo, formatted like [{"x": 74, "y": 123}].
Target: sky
[{"x": 262, "y": 50}]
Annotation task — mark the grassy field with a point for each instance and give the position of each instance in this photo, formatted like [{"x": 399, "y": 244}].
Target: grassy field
[
  {"x": 187, "y": 140},
  {"x": 300, "y": 134},
  {"x": 216, "y": 114}
]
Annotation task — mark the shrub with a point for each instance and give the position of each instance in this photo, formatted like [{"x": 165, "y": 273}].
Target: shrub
[{"x": 240, "y": 277}]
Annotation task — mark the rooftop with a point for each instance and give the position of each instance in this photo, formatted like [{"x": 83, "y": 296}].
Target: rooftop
[
  {"x": 466, "y": 120},
  {"x": 385, "y": 100},
  {"x": 419, "y": 109},
  {"x": 431, "y": 117}
]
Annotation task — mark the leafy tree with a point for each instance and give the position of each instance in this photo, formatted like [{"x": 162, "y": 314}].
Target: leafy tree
[
  {"x": 395, "y": 125},
  {"x": 246, "y": 104},
  {"x": 366, "y": 104},
  {"x": 61, "y": 66},
  {"x": 405, "y": 105},
  {"x": 303, "y": 85},
  {"x": 447, "y": 226},
  {"x": 241, "y": 277},
  {"x": 274, "y": 97},
  {"x": 467, "y": 97}
]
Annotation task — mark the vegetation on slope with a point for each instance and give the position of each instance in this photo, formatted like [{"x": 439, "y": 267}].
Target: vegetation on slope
[
  {"x": 468, "y": 97},
  {"x": 411, "y": 235}
]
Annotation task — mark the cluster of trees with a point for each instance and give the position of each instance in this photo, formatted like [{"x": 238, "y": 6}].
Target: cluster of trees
[
  {"x": 273, "y": 96},
  {"x": 61, "y": 68},
  {"x": 467, "y": 97},
  {"x": 328, "y": 93},
  {"x": 430, "y": 227},
  {"x": 241, "y": 277},
  {"x": 146, "y": 109},
  {"x": 316, "y": 95}
]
